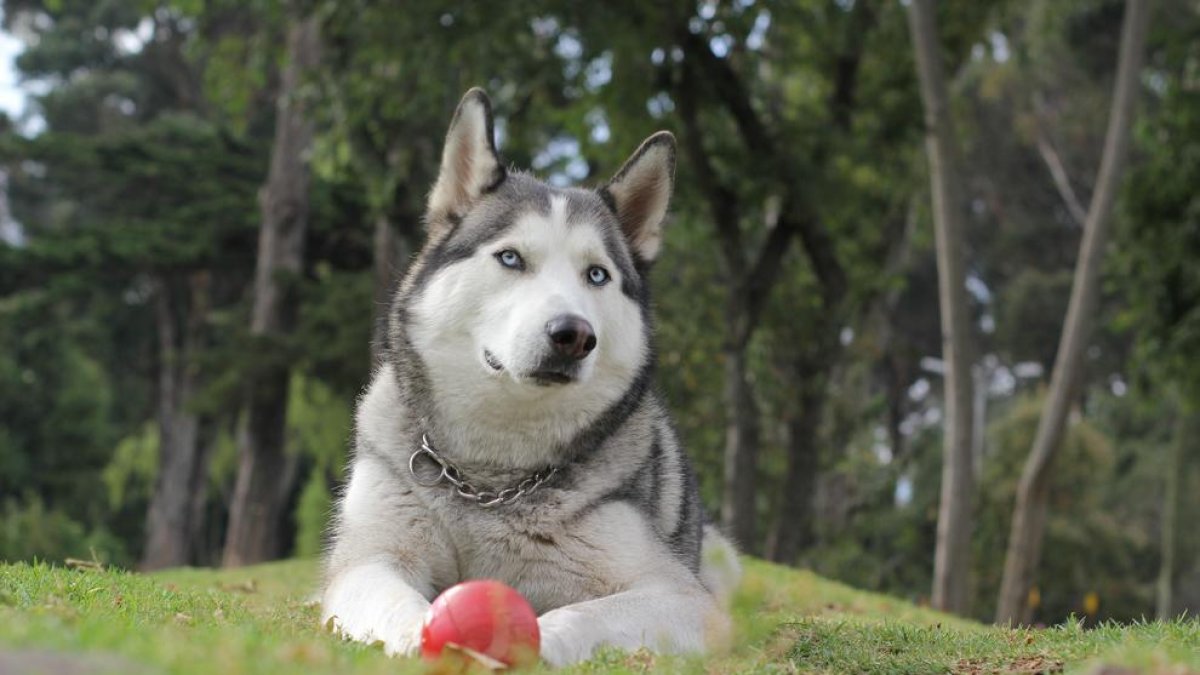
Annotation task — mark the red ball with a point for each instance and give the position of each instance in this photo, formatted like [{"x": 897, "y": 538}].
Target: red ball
[{"x": 482, "y": 617}]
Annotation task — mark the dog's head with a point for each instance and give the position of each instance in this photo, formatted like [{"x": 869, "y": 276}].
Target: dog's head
[{"x": 526, "y": 292}]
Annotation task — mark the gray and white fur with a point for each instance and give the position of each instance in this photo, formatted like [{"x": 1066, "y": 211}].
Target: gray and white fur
[{"x": 520, "y": 341}]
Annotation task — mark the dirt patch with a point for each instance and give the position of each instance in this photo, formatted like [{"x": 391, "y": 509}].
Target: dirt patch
[{"x": 1024, "y": 665}]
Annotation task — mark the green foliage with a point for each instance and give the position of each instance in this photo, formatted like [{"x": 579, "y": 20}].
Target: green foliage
[
  {"x": 319, "y": 423},
  {"x": 688, "y": 338},
  {"x": 222, "y": 468},
  {"x": 333, "y": 335},
  {"x": 319, "y": 428},
  {"x": 1086, "y": 548},
  {"x": 56, "y": 398},
  {"x": 867, "y": 536},
  {"x": 130, "y": 473},
  {"x": 31, "y": 531},
  {"x": 1098, "y": 540},
  {"x": 313, "y": 512},
  {"x": 171, "y": 195},
  {"x": 1031, "y": 311},
  {"x": 1161, "y": 242}
]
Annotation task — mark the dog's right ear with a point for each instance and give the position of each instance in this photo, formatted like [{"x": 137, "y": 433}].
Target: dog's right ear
[
  {"x": 470, "y": 164},
  {"x": 640, "y": 192}
]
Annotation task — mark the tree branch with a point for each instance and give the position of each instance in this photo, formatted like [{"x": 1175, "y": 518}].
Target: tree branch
[
  {"x": 757, "y": 287},
  {"x": 1061, "y": 182},
  {"x": 795, "y": 219},
  {"x": 846, "y": 64},
  {"x": 759, "y": 142},
  {"x": 732, "y": 93},
  {"x": 721, "y": 200},
  {"x": 1058, "y": 171}
]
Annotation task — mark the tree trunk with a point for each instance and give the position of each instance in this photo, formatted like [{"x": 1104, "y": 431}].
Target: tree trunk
[
  {"x": 896, "y": 393},
  {"x": 1029, "y": 515},
  {"x": 738, "y": 508},
  {"x": 881, "y": 321},
  {"x": 753, "y": 276},
  {"x": 738, "y": 512},
  {"x": 980, "y": 376},
  {"x": 205, "y": 549},
  {"x": 793, "y": 528},
  {"x": 1175, "y": 469},
  {"x": 172, "y": 524},
  {"x": 952, "y": 556},
  {"x": 257, "y": 510}
]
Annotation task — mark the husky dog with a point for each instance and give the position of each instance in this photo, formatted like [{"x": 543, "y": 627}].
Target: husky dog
[{"x": 512, "y": 431}]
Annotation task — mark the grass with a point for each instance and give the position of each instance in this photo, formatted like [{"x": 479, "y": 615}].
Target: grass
[{"x": 259, "y": 620}]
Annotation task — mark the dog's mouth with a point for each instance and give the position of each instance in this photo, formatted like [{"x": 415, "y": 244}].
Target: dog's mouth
[
  {"x": 549, "y": 378},
  {"x": 550, "y": 374},
  {"x": 555, "y": 370}
]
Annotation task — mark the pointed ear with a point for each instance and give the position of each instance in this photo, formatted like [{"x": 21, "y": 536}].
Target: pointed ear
[
  {"x": 470, "y": 163},
  {"x": 640, "y": 192}
]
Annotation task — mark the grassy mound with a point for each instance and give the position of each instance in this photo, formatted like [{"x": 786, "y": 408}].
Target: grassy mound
[{"x": 260, "y": 620}]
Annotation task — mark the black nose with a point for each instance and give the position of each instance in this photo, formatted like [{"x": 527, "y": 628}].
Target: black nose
[{"x": 571, "y": 335}]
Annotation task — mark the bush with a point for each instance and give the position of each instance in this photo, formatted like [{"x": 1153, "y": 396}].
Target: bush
[
  {"x": 31, "y": 531},
  {"x": 312, "y": 516}
]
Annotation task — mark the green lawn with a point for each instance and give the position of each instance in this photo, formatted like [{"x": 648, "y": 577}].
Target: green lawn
[{"x": 258, "y": 620}]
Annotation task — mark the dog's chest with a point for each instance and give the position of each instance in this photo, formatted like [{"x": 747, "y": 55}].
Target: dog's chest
[{"x": 542, "y": 557}]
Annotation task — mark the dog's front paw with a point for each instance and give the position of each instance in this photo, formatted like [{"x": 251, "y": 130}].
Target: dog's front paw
[
  {"x": 406, "y": 642},
  {"x": 399, "y": 632},
  {"x": 397, "y": 640},
  {"x": 562, "y": 645}
]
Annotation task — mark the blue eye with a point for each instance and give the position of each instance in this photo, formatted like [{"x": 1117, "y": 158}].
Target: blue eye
[
  {"x": 511, "y": 259},
  {"x": 597, "y": 275}
]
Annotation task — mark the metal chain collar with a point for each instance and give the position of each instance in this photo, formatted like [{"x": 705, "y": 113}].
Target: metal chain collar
[{"x": 484, "y": 498}]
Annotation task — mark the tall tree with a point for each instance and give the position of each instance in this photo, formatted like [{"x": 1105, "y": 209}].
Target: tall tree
[
  {"x": 265, "y": 475},
  {"x": 173, "y": 520},
  {"x": 952, "y": 556},
  {"x": 1157, "y": 272},
  {"x": 753, "y": 275},
  {"x": 141, "y": 190},
  {"x": 389, "y": 73},
  {"x": 1028, "y": 524},
  {"x": 1175, "y": 466}
]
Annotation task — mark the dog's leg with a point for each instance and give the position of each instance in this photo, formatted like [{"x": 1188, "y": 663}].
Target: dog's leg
[
  {"x": 667, "y": 617},
  {"x": 662, "y": 605},
  {"x": 373, "y": 602},
  {"x": 380, "y": 568}
]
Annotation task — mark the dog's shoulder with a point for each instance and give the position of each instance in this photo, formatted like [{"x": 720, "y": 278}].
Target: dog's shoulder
[
  {"x": 644, "y": 465},
  {"x": 381, "y": 421}
]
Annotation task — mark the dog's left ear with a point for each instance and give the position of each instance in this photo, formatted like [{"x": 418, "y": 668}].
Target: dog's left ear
[
  {"x": 640, "y": 192},
  {"x": 470, "y": 164}
]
